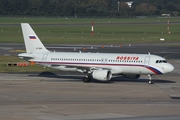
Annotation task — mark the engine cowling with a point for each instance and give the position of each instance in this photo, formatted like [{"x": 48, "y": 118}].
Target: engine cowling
[
  {"x": 131, "y": 76},
  {"x": 102, "y": 75}
]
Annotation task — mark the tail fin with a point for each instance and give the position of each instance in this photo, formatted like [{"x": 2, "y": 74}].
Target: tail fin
[{"x": 32, "y": 42}]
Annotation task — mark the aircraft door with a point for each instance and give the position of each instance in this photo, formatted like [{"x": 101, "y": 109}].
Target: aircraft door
[
  {"x": 44, "y": 58},
  {"x": 104, "y": 60},
  {"x": 146, "y": 61}
]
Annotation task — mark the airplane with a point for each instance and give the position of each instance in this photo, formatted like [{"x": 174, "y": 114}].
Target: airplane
[{"x": 99, "y": 66}]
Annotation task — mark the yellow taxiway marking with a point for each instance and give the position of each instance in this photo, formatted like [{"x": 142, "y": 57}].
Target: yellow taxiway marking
[{"x": 17, "y": 51}]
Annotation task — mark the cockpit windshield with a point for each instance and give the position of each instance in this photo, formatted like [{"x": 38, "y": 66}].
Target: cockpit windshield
[{"x": 161, "y": 61}]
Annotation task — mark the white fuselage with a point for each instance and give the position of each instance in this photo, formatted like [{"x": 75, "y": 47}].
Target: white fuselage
[{"x": 117, "y": 63}]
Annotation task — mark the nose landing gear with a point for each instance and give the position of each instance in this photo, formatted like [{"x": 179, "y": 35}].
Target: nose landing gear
[{"x": 150, "y": 79}]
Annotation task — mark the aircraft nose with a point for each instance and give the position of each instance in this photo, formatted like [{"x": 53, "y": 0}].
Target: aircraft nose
[{"x": 168, "y": 68}]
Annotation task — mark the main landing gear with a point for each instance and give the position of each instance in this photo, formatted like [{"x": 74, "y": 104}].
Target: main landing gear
[
  {"x": 87, "y": 79},
  {"x": 150, "y": 79}
]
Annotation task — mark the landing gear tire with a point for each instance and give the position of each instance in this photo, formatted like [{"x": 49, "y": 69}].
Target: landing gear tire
[
  {"x": 151, "y": 82},
  {"x": 150, "y": 79},
  {"x": 86, "y": 79}
]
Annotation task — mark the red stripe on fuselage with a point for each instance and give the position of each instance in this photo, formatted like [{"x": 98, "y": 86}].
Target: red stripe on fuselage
[{"x": 154, "y": 70}]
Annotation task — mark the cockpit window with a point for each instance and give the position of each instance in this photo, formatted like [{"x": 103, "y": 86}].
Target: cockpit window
[
  {"x": 161, "y": 61},
  {"x": 164, "y": 61}
]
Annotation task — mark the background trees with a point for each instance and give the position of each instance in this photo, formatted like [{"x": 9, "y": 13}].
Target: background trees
[{"x": 88, "y": 8}]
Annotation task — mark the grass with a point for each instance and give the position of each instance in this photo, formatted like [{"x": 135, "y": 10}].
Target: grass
[
  {"x": 61, "y": 20},
  {"x": 111, "y": 34}
]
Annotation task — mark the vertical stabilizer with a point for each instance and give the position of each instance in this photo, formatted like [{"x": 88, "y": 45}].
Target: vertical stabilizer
[{"x": 32, "y": 42}]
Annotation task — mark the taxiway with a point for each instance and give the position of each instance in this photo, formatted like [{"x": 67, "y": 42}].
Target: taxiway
[{"x": 63, "y": 96}]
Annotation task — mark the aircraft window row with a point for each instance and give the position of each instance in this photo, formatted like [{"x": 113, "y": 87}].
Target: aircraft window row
[
  {"x": 161, "y": 61},
  {"x": 100, "y": 60}
]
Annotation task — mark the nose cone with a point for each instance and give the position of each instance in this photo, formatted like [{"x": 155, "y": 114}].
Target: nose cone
[{"x": 168, "y": 68}]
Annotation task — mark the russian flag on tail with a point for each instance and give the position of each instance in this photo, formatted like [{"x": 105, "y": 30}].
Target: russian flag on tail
[{"x": 31, "y": 37}]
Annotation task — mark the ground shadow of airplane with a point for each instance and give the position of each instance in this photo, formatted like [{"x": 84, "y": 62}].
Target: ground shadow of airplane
[{"x": 76, "y": 77}]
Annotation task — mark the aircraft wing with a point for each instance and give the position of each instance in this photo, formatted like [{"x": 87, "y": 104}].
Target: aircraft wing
[{"x": 83, "y": 69}]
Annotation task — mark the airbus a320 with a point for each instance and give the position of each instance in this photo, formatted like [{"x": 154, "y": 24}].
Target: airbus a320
[{"x": 99, "y": 66}]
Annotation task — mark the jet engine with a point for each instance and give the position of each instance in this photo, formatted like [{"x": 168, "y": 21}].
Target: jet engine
[
  {"x": 131, "y": 76},
  {"x": 102, "y": 75}
]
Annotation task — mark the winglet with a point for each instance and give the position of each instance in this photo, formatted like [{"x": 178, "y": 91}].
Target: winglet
[{"x": 32, "y": 42}]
